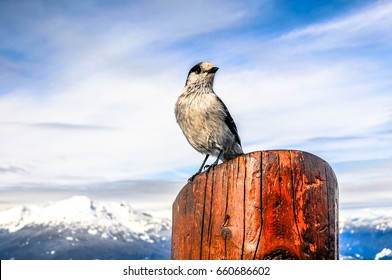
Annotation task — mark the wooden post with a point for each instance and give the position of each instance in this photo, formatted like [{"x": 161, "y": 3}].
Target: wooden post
[{"x": 263, "y": 205}]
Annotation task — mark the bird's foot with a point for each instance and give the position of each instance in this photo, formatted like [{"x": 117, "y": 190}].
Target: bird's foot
[
  {"x": 193, "y": 177},
  {"x": 208, "y": 167}
]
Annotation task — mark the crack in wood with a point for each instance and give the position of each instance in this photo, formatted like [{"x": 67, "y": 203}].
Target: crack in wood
[
  {"x": 244, "y": 205},
  {"x": 204, "y": 211},
  {"x": 261, "y": 207},
  {"x": 210, "y": 218},
  {"x": 294, "y": 199}
]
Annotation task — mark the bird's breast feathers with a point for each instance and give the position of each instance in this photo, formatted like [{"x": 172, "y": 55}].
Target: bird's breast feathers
[{"x": 198, "y": 109}]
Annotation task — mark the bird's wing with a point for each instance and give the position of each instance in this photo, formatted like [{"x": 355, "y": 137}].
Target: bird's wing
[{"x": 230, "y": 122}]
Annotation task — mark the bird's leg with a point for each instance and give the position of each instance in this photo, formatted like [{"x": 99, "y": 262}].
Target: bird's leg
[
  {"x": 200, "y": 169},
  {"x": 208, "y": 167}
]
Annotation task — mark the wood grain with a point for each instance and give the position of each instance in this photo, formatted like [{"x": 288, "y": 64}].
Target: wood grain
[{"x": 278, "y": 204}]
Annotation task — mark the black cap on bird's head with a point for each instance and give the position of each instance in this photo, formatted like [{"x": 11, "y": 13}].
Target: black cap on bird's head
[{"x": 203, "y": 71}]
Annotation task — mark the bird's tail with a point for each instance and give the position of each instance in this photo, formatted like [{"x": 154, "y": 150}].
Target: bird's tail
[{"x": 234, "y": 152}]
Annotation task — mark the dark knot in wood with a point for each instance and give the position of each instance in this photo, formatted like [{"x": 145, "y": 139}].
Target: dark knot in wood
[
  {"x": 226, "y": 233},
  {"x": 281, "y": 254}
]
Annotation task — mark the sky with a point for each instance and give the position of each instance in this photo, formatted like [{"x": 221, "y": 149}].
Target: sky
[{"x": 87, "y": 92}]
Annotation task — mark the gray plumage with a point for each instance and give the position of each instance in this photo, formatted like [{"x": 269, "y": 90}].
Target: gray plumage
[{"x": 204, "y": 118}]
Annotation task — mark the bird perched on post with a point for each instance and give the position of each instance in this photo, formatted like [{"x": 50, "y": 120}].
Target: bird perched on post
[{"x": 204, "y": 118}]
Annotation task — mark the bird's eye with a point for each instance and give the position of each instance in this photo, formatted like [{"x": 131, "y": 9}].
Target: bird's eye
[
  {"x": 198, "y": 70},
  {"x": 195, "y": 69}
]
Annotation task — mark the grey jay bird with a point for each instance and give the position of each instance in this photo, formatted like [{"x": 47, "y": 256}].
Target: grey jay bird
[{"x": 204, "y": 118}]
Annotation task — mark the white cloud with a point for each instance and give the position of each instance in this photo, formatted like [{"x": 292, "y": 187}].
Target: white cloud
[
  {"x": 358, "y": 29},
  {"x": 99, "y": 107},
  {"x": 106, "y": 74},
  {"x": 324, "y": 89}
]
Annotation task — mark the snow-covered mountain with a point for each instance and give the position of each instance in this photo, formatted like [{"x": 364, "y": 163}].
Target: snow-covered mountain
[
  {"x": 366, "y": 234},
  {"x": 79, "y": 228},
  {"x": 376, "y": 218}
]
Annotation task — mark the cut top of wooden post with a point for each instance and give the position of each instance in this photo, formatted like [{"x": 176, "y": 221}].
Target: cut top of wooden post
[{"x": 279, "y": 204}]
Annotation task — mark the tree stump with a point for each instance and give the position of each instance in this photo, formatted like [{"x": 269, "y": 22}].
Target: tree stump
[{"x": 263, "y": 205}]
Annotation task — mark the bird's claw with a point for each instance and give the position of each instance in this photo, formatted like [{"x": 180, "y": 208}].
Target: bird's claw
[
  {"x": 193, "y": 177},
  {"x": 208, "y": 167},
  {"x": 205, "y": 167}
]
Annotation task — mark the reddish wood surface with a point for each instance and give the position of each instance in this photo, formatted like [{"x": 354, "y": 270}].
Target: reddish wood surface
[{"x": 263, "y": 205}]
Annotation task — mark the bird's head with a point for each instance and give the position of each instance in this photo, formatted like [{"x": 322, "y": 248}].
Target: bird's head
[{"x": 203, "y": 73}]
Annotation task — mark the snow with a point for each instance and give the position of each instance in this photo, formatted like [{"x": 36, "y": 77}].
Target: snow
[
  {"x": 92, "y": 231},
  {"x": 377, "y": 218},
  {"x": 384, "y": 253},
  {"x": 13, "y": 219},
  {"x": 110, "y": 220},
  {"x": 80, "y": 212}
]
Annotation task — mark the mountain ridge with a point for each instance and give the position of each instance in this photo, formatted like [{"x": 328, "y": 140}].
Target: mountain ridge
[
  {"x": 80, "y": 228},
  {"x": 83, "y": 212}
]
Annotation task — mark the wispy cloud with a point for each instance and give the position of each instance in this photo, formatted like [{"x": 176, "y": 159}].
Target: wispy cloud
[
  {"x": 11, "y": 169},
  {"x": 361, "y": 28},
  {"x": 89, "y": 90}
]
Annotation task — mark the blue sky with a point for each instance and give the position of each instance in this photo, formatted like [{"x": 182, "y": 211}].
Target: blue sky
[{"x": 88, "y": 89}]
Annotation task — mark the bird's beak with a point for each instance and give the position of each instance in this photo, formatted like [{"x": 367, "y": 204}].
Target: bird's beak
[{"x": 213, "y": 70}]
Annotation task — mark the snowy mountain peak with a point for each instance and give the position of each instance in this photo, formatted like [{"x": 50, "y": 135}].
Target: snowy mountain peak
[
  {"x": 80, "y": 212},
  {"x": 377, "y": 218},
  {"x": 79, "y": 228}
]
